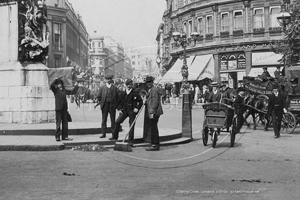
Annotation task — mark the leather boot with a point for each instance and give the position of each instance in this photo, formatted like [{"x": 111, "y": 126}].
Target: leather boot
[{"x": 103, "y": 135}]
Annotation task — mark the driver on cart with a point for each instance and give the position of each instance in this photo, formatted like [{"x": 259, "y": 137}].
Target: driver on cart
[{"x": 239, "y": 108}]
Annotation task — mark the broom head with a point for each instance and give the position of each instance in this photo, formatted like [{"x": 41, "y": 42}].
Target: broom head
[{"x": 122, "y": 146}]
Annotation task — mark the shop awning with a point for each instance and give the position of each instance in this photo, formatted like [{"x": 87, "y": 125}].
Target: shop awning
[
  {"x": 204, "y": 65},
  {"x": 198, "y": 66},
  {"x": 265, "y": 59},
  {"x": 255, "y": 71},
  {"x": 174, "y": 74}
]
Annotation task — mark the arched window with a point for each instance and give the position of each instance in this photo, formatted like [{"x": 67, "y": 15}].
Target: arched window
[
  {"x": 274, "y": 12},
  {"x": 258, "y": 18}
]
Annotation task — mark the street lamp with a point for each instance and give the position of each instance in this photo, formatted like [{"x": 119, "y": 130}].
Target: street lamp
[
  {"x": 183, "y": 41},
  {"x": 284, "y": 17}
]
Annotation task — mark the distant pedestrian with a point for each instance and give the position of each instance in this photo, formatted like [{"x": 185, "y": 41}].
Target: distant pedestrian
[
  {"x": 61, "y": 107},
  {"x": 152, "y": 113}
]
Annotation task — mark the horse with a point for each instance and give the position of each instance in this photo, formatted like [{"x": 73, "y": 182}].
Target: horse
[{"x": 257, "y": 108}]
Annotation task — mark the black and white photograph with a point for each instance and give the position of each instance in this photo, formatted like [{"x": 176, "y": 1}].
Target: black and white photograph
[{"x": 149, "y": 99}]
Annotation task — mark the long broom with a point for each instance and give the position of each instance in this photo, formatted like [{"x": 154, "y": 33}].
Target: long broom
[{"x": 124, "y": 146}]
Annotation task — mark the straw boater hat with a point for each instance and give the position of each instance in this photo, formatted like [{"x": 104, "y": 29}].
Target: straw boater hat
[{"x": 215, "y": 84}]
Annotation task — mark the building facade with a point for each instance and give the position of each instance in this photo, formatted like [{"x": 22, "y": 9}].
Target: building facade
[
  {"x": 239, "y": 34},
  {"x": 143, "y": 60},
  {"x": 108, "y": 57},
  {"x": 69, "y": 38}
]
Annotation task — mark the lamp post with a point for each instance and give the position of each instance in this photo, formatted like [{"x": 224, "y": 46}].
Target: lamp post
[
  {"x": 284, "y": 17},
  {"x": 183, "y": 41}
]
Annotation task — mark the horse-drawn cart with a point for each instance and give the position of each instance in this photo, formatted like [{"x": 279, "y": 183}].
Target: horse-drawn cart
[
  {"x": 259, "y": 104},
  {"x": 218, "y": 116}
]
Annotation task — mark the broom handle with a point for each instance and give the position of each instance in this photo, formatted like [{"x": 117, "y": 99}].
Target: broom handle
[{"x": 134, "y": 121}]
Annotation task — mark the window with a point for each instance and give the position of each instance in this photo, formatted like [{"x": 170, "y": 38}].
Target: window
[
  {"x": 57, "y": 61},
  {"x": 57, "y": 36},
  {"x": 274, "y": 12},
  {"x": 184, "y": 27},
  {"x": 190, "y": 27},
  {"x": 225, "y": 22},
  {"x": 133, "y": 62},
  {"x": 200, "y": 26},
  {"x": 258, "y": 18},
  {"x": 238, "y": 20},
  {"x": 209, "y": 25}
]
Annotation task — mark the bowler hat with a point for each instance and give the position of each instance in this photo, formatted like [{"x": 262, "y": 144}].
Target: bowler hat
[
  {"x": 241, "y": 89},
  {"x": 149, "y": 79},
  {"x": 128, "y": 82},
  {"x": 109, "y": 76},
  {"x": 265, "y": 67}
]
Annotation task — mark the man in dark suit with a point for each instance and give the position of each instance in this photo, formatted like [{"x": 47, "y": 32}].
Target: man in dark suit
[
  {"x": 276, "y": 107},
  {"x": 61, "y": 107},
  {"x": 108, "y": 100},
  {"x": 239, "y": 108},
  {"x": 152, "y": 113},
  {"x": 130, "y": 105}
]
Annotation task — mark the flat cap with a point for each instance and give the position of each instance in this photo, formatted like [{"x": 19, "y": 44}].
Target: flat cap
[{"x": 128, "y": 82}]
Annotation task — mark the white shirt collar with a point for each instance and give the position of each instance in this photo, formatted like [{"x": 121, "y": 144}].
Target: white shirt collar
[
  {"x": 128, "y": 91},
  {"x": 108, "y": 85}
]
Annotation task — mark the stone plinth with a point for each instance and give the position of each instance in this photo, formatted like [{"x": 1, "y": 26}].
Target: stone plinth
[{"x": 24, "y": 94}]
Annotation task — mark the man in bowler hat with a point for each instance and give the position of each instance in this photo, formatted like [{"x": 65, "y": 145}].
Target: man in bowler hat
[
  {"x": 108, "y": 100},
  {"x": 61, "y": 107},
  {"x": 129, "y": 107},
  {"x": 276, "y": 108},
  {"x": 152, "y": 113}
]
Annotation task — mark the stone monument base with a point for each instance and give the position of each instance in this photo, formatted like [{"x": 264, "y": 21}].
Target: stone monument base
[{"x": 25, "y": 94}]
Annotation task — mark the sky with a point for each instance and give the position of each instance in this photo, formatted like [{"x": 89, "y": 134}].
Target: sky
[{"x": 133, "y": 23}]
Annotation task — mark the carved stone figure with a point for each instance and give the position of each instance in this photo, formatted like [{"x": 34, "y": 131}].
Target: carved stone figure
[{"x": 33, "y": 31}]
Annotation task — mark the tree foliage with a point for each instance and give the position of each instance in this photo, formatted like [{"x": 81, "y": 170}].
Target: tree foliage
[{"x": 290, "y": 46}]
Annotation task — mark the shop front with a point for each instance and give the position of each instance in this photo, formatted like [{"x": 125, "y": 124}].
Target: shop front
[{"x": 232, "y": 68}]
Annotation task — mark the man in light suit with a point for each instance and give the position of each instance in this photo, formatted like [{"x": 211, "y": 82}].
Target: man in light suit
[
  {"x": 108, "y": 100},
  {"x": 152, "y": 113}
]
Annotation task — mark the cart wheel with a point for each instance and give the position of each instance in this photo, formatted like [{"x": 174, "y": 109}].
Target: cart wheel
[
  {"x": 288, "y": 123},
  {"x": 205, "y": 135},
  {"x": 233, "y": 132},
  {"x": 215, "y": 139}
]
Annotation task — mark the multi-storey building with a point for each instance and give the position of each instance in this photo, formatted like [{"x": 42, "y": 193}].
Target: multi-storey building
[
  {"x": 238, "y": 34},
  {"x": 143, "y": 60},
  {"x": 69, "y": 38},
  {"x": 109, "y": 57}
]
